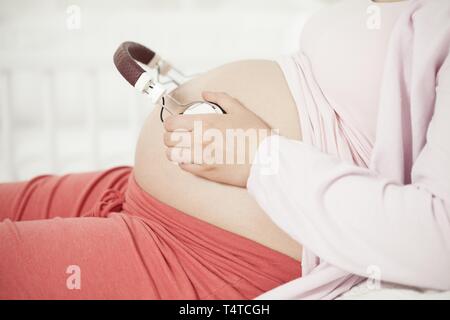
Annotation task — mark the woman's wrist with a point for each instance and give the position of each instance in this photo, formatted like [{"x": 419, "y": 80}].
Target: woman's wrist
[{"x": 266, "y": 158}]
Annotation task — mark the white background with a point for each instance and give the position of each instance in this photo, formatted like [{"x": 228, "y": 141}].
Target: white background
[{"x": 64, "y": 107}]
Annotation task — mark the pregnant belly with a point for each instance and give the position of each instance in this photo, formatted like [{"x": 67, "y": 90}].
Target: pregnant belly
[{"x": 261, "y": 87}]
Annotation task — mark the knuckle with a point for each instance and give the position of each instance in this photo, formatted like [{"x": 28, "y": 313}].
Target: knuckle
[
  {"x": 169, "y": 124},
  {"x": 206, "y": 124},
  {"x": 169, "y": 153},
  {"x": 209, "y": 168},
  {"x": 167, "y": 138},
  {"x": 205, "y": 142}
]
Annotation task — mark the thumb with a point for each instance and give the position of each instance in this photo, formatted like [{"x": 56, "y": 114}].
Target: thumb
[
  {"x": 200, "y": 170},
  {"x": 225, "y": 101}
]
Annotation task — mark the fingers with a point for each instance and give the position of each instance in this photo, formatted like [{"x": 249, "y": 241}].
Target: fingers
[
  {"x": 189, "y": 156},
  {"x": 187, "y": 122},
  {"x": 178, "y": 139},
  {"x": 203, "y": 171},
  {"x": 221, "y": 98},
  {"x": 227, "y": 102},
  {"x": 186, "y": 139},
  {"x": 179, "y": 123},
  {"x": 180, "y": 155}
]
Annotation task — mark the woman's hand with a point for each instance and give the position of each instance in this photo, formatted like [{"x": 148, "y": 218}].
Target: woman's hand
[{"x": 214, "y": 146}]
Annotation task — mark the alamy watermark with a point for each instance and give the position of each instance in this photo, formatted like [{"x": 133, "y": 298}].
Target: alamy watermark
[
  {"x": 73, "y": 19},
  {"x": 212, "y": 146},
  {"x": 73, "y": 281},
  {"x": 373, "y": 277},
  {"x": 373, "y": 21}
]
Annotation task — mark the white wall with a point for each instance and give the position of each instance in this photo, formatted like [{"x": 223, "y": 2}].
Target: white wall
[{"x": 63, "y": 106}]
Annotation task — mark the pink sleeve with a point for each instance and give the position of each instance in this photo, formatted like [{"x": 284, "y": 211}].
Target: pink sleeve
[{"x": 353, "y": 218}]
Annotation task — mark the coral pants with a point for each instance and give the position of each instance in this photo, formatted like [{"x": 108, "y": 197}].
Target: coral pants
[{"x": 99, "y": 236}]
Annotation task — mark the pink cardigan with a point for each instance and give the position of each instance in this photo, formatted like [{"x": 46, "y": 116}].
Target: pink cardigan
[{"x": 392, "y": 219}]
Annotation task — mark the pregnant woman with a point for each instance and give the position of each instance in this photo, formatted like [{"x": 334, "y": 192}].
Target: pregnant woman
[{"x": 162, "y": 231}]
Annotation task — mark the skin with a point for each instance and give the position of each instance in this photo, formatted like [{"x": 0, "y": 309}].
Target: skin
[
  {"x": 238, "y": 117},
  {"x": 260, "y": 86},
  {"x": 216, "y": 194}
]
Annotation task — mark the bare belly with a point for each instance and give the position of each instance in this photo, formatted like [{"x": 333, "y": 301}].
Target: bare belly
[{"x": 261, "y": 87}]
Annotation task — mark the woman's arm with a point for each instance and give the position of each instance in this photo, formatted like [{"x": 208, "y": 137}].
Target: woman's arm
[{"x": 353, "y": 218}]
